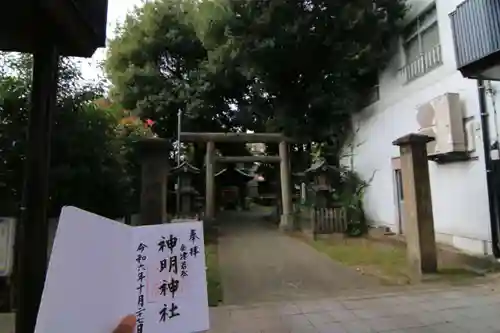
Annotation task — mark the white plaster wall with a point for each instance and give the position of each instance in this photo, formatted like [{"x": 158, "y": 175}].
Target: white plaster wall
[{"x": 459, "y": 193}]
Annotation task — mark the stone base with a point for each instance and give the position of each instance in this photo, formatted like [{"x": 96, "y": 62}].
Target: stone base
[{"x": 287, "y": 222}]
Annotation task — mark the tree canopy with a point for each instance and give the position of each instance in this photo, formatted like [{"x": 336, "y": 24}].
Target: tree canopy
[
  {"x": 298, "y": 67},
  {"x": 92, "y": 164}
]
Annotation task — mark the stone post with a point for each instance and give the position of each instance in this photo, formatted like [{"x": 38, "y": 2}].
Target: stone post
[
  {"x": 286, "y": 221},
  {"x": 419, "y": 222},
  {"x": 303, "y": 193},
  {"x": 210, "y": 182},
  {"x": 154, "y": 154}
]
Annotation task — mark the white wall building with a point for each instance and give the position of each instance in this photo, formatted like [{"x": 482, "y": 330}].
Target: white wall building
[{"x": 422, "y": 69}]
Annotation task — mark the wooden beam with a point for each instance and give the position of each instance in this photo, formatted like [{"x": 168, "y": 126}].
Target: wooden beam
[
  {"x": 234, "y": 137},
  {"x": 248, "y": 159}
]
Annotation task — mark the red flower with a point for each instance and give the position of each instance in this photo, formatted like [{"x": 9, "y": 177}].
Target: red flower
[{"x": 149, "y": 123}]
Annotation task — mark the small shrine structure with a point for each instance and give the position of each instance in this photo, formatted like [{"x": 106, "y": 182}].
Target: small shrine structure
[
  {"x": 322, "y": 179},
  {"x": 231, "y": 183}
]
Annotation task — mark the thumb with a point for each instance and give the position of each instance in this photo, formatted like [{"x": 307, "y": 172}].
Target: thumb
[{"x": 126, "y": 325}]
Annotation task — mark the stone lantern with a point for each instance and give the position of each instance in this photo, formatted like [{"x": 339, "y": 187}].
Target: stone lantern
[{"x": 185, "y": 174}]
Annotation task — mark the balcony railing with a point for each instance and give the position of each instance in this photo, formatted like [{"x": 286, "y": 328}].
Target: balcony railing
[
  {"x": 476, "y": 34},
  {"x": 422, "y": 65}
]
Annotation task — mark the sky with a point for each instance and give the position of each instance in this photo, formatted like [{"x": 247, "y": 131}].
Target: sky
[{"x": 117, "y": 10}]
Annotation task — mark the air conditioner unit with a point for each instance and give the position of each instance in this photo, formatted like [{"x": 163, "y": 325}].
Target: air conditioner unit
[{"x": 442, "y": 119}]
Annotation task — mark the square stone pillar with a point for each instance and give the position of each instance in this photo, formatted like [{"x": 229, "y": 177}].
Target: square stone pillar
[
  {"x": 154, "y": 161},
  {"x": 419, "y": 222},
  {"x": 210, "y": 181},
  {"x": 287, "y": 218}
]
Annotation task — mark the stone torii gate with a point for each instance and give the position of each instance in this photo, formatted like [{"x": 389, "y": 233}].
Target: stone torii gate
[{"x": 286, "y": 221}]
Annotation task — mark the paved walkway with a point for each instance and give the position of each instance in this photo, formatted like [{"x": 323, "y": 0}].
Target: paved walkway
[
  {"x": 258, "y": 263},
  {"x": 273, "y": 283},
  {"x": 466, "y": 310}
]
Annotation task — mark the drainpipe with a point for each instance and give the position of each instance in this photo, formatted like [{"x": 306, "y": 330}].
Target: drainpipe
[{"x": 492, "y": 197}]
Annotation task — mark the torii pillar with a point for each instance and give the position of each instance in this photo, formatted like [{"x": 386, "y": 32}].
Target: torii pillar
[
  {"x": 210, "y": 181},
  {"x": 287, "y": 217},
  {"x": 154, "y": 153},
  {"x": 419, "y": 222}
]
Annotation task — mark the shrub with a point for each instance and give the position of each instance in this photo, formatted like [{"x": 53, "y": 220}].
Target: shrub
[{"x": 350, "y": 196}]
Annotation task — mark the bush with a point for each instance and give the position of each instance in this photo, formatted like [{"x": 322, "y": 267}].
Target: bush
[
  {"x": 350, "y": 196},
  {"x": 93, "y": 163},
  {"x": 88, "y": 164}
]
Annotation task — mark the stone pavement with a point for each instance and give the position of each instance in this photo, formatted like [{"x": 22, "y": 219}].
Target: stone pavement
[
  {"x": 273, "y": 283},
  {"x": 258, "y": 263},
  {"x": 470, "y": 309},
  {"x": 453, "y": 310}
]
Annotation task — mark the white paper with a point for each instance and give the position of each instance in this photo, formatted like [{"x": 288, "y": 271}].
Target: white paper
[
  {"x": 92, "y": 279},
  {"x": 89, "y": 275},
  {"x": 186, "y": 309}
]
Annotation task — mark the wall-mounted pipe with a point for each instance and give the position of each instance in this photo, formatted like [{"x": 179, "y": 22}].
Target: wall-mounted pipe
[{"x": 493, "y": 203}]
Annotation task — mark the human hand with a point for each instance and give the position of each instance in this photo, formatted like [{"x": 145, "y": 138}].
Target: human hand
[{"x": 126, "y": 325}]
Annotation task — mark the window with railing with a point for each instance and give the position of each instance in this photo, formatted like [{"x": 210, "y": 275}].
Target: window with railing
[{"x": 422, "y": 45}]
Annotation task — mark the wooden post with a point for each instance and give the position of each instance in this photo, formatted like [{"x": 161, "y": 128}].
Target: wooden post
[
  {"x": 32, "y": 232},
  {"x": 419, "y": 222},
  {"x": 210, "y": 182},
  {"x": 286, "y": 221},
  {"x": 154, "y": 180}
]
